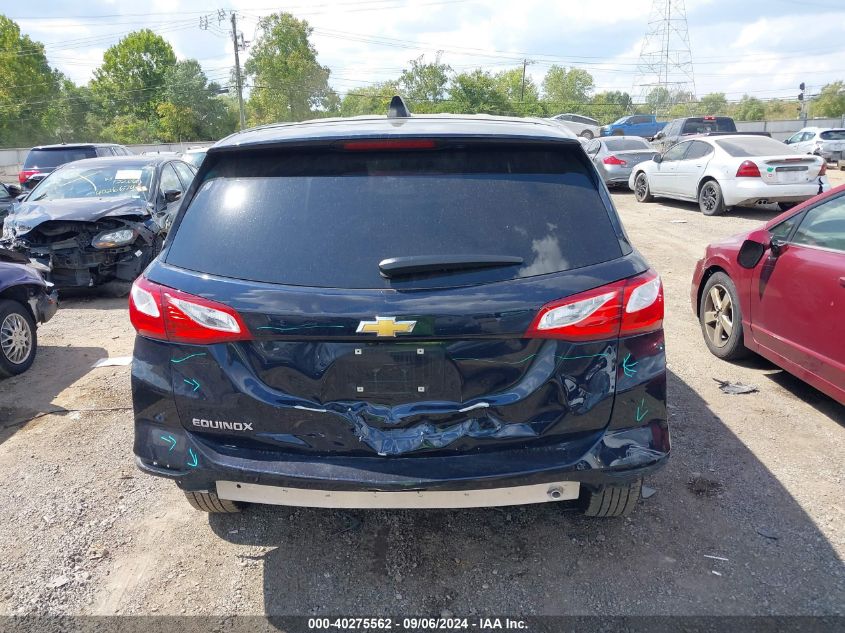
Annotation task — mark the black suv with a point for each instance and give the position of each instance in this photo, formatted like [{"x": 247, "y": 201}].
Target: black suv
[
  {"x": 42, "y": 160},
  {"x": 689, "y": 126},
  {"x": 401, "y": 311}
]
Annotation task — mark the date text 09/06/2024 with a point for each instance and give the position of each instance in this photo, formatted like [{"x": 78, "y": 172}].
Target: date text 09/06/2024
[{"x": 417, "y": 624}]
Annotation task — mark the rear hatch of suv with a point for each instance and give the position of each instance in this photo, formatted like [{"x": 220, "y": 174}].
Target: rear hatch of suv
[
  {"x": 396, "y": 298},
  {"x": 41, "y": 161}
]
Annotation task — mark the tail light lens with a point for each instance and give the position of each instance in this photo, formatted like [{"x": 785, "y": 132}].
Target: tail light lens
[
  {"x": 613, "y": 160},
  {"x": 622, "y": 308},
  {"x": 26, "y": 174},
  {"x": 823, "y": 170},
  {"x": 167, "y": 314},
  {"x": 748, "y": 169}
]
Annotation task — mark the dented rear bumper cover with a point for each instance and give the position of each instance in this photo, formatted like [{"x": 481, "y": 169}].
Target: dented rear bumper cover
[{"x": 616, "y": 456}]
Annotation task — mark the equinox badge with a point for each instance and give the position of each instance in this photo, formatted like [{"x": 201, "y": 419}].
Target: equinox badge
[{"x": 386, "y": 326}]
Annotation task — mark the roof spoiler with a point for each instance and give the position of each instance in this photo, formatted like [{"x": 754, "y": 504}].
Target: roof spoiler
[{"x": 397, "y": 108}]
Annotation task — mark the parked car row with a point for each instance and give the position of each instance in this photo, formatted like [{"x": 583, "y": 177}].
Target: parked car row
[{"x": 720, "y": 171}]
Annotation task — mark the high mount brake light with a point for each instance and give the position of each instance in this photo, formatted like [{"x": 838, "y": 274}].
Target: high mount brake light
[
  {"x": 167, "y": 314},
  {"x": 748, "y": 169},
  {"x": 387, "y": 145},
  {"x": 622, "y": 308}
]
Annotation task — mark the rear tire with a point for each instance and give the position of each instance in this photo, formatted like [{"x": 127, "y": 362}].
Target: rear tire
[
  {"x": 710, "y": 199},
  {"x": 786, "y": 206},
  {"x": 642, "y": 192},
  {"x": 211, "y": 503},
  {"x": 18, "y": 338},
  {"x": 587, "y": 135},
  {"x": 611, "y": 501}
]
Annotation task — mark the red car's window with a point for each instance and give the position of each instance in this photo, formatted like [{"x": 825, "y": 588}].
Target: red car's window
[{"x": 824, "y": 226}]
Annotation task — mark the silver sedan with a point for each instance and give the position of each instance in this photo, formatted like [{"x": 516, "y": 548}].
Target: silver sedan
[{"x": 615, "y": 156}]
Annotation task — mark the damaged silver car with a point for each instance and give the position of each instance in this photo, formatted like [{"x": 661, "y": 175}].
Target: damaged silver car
[{"x": 99, "y": 220}]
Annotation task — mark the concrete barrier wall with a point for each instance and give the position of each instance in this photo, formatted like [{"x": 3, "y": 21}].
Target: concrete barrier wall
[
  {"x": 11, "y": 160},
  {"x": 781, "y": 130}
]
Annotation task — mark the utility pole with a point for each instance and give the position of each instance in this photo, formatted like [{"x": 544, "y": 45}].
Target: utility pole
[
  {"x": 525, "y": 63},
  {"x": 237, "y": 46}
]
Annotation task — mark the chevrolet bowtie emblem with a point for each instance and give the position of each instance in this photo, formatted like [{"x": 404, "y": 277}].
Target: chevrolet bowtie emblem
[{"x": 386, "y": 326}]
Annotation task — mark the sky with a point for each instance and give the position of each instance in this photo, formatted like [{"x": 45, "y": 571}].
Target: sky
[{"x": 764, "y": 48}]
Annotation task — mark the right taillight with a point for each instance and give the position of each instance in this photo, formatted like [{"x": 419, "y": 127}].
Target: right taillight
[
  {"x": 748, "y": 169},
  {"x": 621, "y": 308},
  {"x": 823, "y": 170},
  {"x": 167, "y": 314}
]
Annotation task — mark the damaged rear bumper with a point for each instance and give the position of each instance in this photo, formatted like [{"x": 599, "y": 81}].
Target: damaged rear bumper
[{"x": 610, "y": 457}]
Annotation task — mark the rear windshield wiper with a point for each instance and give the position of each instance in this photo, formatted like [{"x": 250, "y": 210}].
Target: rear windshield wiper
[{"x": 416, "y": 264}]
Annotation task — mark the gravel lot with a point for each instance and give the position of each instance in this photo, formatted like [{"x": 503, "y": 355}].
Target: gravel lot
[{"x": 754, "y": 479}]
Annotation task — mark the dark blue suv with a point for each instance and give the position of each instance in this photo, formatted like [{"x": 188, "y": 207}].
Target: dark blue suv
[{"x": 401, "y": 311}]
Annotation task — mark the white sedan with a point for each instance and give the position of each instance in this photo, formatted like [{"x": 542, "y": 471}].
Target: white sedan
[{"x": 723, "y": 171}]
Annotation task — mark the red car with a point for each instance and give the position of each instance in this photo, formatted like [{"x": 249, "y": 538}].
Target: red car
[{"x": 779, "y": 291}]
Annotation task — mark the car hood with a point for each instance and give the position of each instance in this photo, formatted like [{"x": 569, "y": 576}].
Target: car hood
[
  {"x": 31, "y": 214},
  {"x": 12, "y": 274}
]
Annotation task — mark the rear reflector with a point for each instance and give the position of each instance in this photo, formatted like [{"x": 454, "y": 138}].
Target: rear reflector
[
  {"x": 632, "y": 306},
  {"x": 613, "y": 160},
  {"x": 748, "y": 169},
  {"x": 166, "y": 314},
  {"x": 389, "y": 144}
]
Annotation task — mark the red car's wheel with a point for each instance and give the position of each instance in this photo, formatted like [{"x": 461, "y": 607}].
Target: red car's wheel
[{"x": 721, "y": 318}]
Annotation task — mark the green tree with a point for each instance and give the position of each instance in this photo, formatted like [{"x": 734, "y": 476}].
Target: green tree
[
  {"x": 128, "y": 129},
  {"x": 476, "y": 92},
  {"x": 778, "y": 109},
  {"x": 565, "y": 89},
  {"x": 28, "y": 87},
  {"x": 830, "y": 102},
  {"x": 192, "y": 108},
  {"x": 714, "y": 104},
  {"x": 425, "y": 84},
  {"x": 523, "y": 99},
  {"x": 131, "y": 79},
  {"x": 288, "y": 82},
  {"x": 372, "y": 99},
  {"x": 606, "y": 107},
  {"x": 749, "y": 109}
]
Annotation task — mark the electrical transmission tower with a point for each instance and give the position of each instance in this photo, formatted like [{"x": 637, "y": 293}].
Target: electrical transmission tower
[{"x": 665, "y": 73}]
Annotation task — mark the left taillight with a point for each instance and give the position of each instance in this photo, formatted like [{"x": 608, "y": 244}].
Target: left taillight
[
  {"x": 613, "y": 160},
  {"x": 167, "y": 314},
  {"x": 623, "y": 308}
]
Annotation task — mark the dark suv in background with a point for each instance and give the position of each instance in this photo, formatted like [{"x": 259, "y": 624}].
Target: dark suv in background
[
  {"x": 676, "y": 129},
  {"x": 401, "y": 311},
  {"x": 42, "y": 160}
]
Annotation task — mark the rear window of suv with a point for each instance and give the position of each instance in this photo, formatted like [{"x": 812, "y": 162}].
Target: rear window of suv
[
  {"x": 52, "y": 158},
  {"x": 703, "y": 126},
  {"x": 328, "y": 218},
  {"x": 833, "y": 135}
]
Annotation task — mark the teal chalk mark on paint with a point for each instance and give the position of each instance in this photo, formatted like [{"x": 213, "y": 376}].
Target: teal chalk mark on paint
[
  {"x": 182, "y": 360},
  {"x": 193, "y": 383},
  {"x": 170, "y": 440},
  {"x": 527, "y": 358},
  {"x": 641, "y": 410},
  {"x": 297, "y": 327},
  {"x": 194, "y": 461},
  {"x": 628, "y": 366}
]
